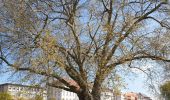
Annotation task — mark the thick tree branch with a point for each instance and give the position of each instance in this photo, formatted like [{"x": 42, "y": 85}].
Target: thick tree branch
[
  {"x": 60, "y": 86},
  {"x": 40, "y": 72},
  {"x": 137, "y": 57}
]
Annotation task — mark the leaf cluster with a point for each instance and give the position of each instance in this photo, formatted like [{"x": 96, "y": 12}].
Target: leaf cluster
[{"x": 165, "y": 90}]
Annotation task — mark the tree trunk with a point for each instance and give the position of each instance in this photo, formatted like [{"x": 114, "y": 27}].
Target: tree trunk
[
  {"x": 95, "y": 94},
  {"x": 97, "y": 91},
  {"x": 89, "y": 96},
  {"x": 85, "y": 95}
]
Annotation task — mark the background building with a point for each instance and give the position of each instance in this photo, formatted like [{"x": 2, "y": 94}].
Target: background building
[
  {"x": 135, "y": 96},
  {"x": 60, "y": 94},
  {"x": 23, "y": 91},
  {"x": 51, "y": 93}
]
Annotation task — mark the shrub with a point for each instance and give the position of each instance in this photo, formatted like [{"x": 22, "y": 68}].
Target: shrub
[{"x": 5, "y": 96}]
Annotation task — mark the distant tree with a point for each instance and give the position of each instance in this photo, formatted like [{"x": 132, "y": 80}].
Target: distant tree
[
  {"x": 5, "y": 96},
  {"x": 83, "y": 40},
  {"x": 52, "y": 99},
  {"x": 38, "y": 97},
  {"x": 20, "y": 98},
  {"x": 165, "y": 90}
]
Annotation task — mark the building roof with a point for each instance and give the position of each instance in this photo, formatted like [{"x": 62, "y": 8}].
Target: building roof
[
  {"x": 131, "y": 94},
  {"x": 72, "y": 82},
  {"x": 20, "y": 85}
]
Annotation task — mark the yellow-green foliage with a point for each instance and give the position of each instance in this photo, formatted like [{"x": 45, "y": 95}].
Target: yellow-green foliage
[
  {"x": 5, "y": 96},
  {"x": 38, "y": 97},
  {"x": 21, "y": 98},
  {"x": 52, "y": 99},
  {"x": 165, "y": 90}
]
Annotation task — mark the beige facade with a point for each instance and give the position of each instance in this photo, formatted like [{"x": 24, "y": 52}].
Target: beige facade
[
  {"x": 23, "y": 91},
  {"x": 135, "y": 96}
]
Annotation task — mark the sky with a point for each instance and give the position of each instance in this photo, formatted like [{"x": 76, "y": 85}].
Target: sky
[{"x": 137, "y": 85}]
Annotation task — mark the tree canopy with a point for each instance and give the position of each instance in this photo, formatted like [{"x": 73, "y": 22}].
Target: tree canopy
[{"x": 82, "y": 40}]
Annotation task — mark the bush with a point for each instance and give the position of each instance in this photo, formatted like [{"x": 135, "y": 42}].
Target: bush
[
  {"x": 38, "y": 97},
  {"x": 20, "y": 98},
  {"x": 5, "y": 96},
  {"x": 165, "y": 90}
]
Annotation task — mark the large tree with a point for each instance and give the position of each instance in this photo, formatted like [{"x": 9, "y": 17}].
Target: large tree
[{"x": 85, "y": 40}]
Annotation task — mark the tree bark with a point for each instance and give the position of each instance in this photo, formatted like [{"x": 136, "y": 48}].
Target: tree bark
[
  {"x": 96, "y": 90},
  {"x": 85, "y": 95},
  {"x": 97, "y": 87}
]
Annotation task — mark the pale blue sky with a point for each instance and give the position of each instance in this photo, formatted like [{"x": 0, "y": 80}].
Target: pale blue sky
[{"x": 137, "y": 85}]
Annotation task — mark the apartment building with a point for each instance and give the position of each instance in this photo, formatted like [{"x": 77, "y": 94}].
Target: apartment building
[
  {"x": 135, "y": 96},
  {"x": 23, "y": 91},
  {"x": 60, "y": 94}
]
